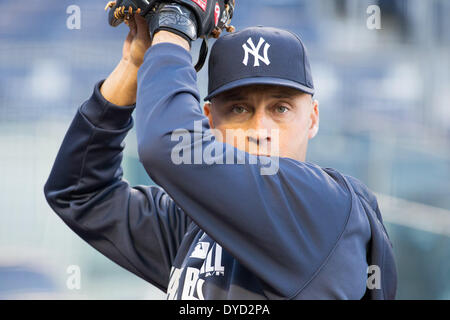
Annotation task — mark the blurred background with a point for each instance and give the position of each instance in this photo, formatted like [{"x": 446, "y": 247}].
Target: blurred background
[{"x": 385, "y": 119}]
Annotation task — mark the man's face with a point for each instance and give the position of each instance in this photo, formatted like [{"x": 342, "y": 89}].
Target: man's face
[{"x": 265, "y": 120}]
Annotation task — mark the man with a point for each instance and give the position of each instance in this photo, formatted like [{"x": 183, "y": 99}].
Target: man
[{"x": 218, "y": 229}]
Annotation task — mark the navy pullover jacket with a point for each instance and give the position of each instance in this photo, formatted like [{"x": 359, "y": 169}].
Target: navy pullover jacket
[{"x": 213, "y": 231}]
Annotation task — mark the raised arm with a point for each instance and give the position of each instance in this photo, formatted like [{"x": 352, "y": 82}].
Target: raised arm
[
  {"x": 282, "y": 227},
  {"x": 140, "y": 227}
]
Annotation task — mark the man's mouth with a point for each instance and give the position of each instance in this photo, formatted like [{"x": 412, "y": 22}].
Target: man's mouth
[{"x": 261, "y": 154}]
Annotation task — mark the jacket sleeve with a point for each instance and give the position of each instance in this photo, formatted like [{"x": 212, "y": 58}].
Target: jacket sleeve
[
  {"x": 281, "y": 226},
  {"x": 381, "y": 251},
  {"x": 141, "y": 227}
]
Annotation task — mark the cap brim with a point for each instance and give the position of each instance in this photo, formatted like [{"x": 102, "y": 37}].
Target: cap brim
[{"x": 259, "y": 80}]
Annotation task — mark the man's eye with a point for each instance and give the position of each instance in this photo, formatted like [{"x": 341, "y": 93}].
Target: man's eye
[
  {"x": 281, "y": 109},
  {"x": 238, "y": 109}
]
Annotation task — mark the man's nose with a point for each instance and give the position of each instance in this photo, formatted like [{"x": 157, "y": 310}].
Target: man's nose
[
  {"x": 259, "y": 140},
  {"x": 260, "y": 129}
]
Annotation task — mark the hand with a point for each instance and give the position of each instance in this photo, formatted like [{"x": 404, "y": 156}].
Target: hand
[
  {"x": 121, "y": 85},
  {"x": 137, "y": 41}
]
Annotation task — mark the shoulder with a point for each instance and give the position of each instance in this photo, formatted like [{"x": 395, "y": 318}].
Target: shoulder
[
  {"x": 358, "y": 187},
  {"x": 362, "y": 190},
  {"x": 323, "y": 185}
]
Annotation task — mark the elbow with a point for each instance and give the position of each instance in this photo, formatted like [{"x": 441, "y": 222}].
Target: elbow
[
  {"x": 153, "y": 151},
  {"x": 57, "y": 198},
  {"x": 61, "y": 201},
  {"x": 49, "y": 191},
  {"x": 51, "y": 194},
  {"x": 149, "y": 153}
]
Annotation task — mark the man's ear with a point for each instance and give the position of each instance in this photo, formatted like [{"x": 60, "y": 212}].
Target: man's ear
[
  {"x": 314, "y": 120},
  {"x": 207, "y": 111}
]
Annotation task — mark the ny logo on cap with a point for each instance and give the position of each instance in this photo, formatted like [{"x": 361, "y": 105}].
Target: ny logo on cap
[{"x": 255, "y": 52}]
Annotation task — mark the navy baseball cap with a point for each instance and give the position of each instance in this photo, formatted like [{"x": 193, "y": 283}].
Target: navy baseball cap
[{"x": 259, "y": 55}]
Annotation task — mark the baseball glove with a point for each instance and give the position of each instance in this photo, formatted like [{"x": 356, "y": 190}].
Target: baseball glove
[{"x": 191, "y": 19}]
